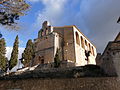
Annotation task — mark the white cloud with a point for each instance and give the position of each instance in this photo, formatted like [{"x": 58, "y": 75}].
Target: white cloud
[
  {"x": 52, "y": 11},
  {"x": 100, "y": 19},
  {"x": 9, "y": 50},
  {"x": 33, "y": 0},
  {"x": 96, "y": 19}
]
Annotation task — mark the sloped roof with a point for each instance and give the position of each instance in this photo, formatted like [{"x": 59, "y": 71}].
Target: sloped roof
[{"x": 118, "y": 37}]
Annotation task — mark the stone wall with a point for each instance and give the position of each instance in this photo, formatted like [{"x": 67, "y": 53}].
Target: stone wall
[
  {"x": 107, "y": 83},
  {"x": 46, "y": 48},
  {"x": 85, "y": 45},
  {"x": 68, "y": 40},
  {"x": 117, "y": 63},
  {"x": 110, "y": 58}
]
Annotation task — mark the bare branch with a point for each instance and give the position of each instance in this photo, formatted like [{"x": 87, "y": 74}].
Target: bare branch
[{"x": 11, "y": 10}]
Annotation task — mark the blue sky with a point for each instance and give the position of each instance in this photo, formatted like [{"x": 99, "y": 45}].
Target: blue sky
[{"x": 95, "y": 18}]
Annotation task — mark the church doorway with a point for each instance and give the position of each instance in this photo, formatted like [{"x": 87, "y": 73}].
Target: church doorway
[{"x": 41, "y": 59}]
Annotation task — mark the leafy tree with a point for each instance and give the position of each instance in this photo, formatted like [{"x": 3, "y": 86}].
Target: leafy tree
[
  {"x": 14, "y": 54},
  {"x": 11, "y": 10},
  {"x": 28, "y": 53},
  {"x": 57, "y": 59},
  {"x": 3, "y": 59}
]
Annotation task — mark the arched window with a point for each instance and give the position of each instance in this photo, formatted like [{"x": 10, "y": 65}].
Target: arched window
[
  {"x": 93, "y": 51},
  {"x": 41, "y": 59},
  {"x": 89, "y": 47},
  {"x": 82, "y": 42},
  {"x": 85, "y": 42},
  {"x": 77, "y": 39}
]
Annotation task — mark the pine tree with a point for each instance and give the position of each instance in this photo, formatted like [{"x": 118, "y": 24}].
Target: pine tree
[
  {"x": 28, "y": 53},
  {"x": 3, "y": 59},
  {"x": 57, "y": 59},
  {"x": 14, "y": 54},
  {"x": 11, "y": 10}
]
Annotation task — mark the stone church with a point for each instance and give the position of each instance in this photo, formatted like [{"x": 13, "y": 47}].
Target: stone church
[
  {"x": 110, "y": 59},
  {"x": 72, "y": 44}
]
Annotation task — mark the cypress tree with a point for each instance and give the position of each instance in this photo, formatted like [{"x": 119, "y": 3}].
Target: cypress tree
[
  {"x": 28, "y": 53},
  {"x": 14, "y": 54},
  {"x": 3, "y": 59},
  {"x": 57, "y": 59}
]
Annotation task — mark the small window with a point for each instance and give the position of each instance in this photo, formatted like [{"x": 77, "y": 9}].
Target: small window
[
  {"x": 113, "y": 53},
  {"x": 107, "y": 53},
  {"x": 109, "y": 49}
]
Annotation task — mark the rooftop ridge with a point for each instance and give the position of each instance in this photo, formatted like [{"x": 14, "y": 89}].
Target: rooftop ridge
[
  {"x": 77, "y": 29},
  {"x": 118, "y": 37}
]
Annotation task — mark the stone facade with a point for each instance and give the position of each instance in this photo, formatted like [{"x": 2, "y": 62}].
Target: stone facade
[
  {"x": 117, "y": 63},
  {"x": 109, "y": 60},
  {"x": 73, "y": 45}
]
